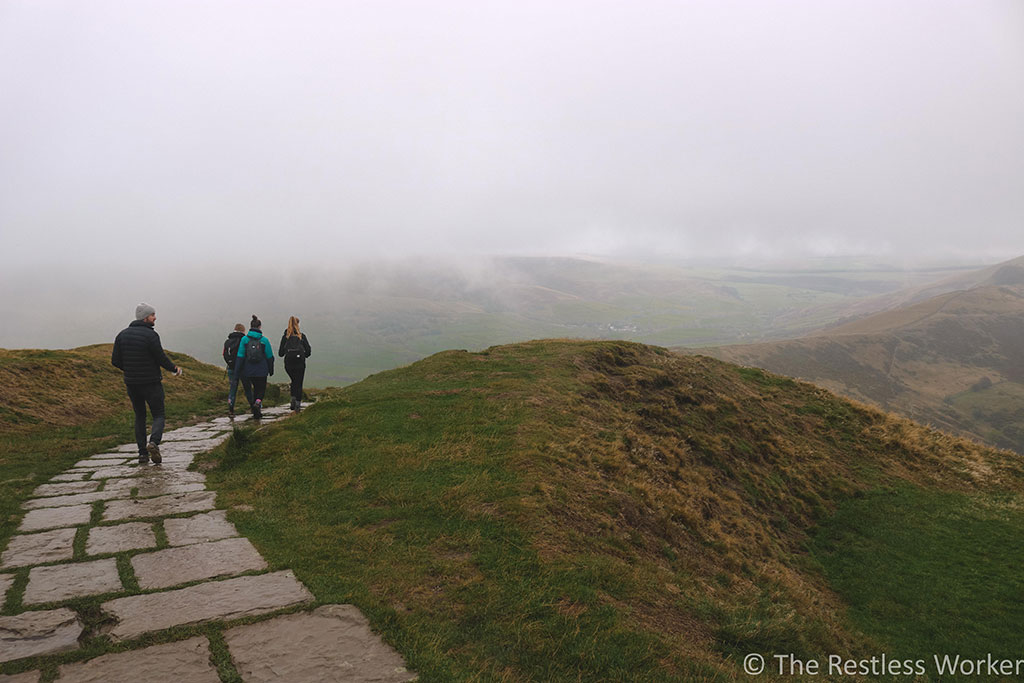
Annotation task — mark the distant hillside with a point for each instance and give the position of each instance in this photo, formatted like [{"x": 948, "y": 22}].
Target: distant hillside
[
  {"x": 955, "y": 361},
  {"x": 562, "y": 510},
  {"x": 366, "y": 318},
  {"x": 1005, "y": 273}
]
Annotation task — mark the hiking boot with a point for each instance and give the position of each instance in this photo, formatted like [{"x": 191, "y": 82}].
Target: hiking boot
[
  {"x": 294, "y": 404},
  {"x": 154, "y": 452},
  {"x": 231, "y": 409},
  {"x": 143, "y": 459},
  {"x": 257, "y": 409}
]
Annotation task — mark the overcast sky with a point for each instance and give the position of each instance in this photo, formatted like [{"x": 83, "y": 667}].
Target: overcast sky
[{"x": 296, "y": 131}]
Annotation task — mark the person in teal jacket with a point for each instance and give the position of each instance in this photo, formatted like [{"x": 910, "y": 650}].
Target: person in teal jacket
[{"x": 255, "y": 362}]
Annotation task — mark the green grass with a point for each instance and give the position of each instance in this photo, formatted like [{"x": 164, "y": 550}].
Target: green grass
[
  {"x": 576, "y": 510},
  {"x": 930, "y": 572}
]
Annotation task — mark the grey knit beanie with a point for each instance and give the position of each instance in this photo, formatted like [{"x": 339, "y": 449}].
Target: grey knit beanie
[{"x": 143, "y": 311}]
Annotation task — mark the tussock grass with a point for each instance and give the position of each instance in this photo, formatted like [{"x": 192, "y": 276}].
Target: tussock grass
[{"x": 566, "y": 510}]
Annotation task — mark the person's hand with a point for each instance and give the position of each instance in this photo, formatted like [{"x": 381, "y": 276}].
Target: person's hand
[{"x": 178, "y": 371}]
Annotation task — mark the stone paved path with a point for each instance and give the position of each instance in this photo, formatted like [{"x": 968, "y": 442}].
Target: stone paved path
[{"x": 148, "y": 541}]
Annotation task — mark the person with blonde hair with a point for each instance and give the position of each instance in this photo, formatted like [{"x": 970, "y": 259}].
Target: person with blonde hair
[{"x": 295, "y": 350}]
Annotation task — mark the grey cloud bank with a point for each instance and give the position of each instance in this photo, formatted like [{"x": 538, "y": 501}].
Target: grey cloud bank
[{"x": 325, "y": 131}]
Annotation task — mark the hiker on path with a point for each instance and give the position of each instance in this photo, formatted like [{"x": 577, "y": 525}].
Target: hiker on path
[
  {"x": 139, "y": 355},
  {"x": 295, "y": 350},
  {"x": 230, "y": 353},
  {"x": 253, "y": 363}
]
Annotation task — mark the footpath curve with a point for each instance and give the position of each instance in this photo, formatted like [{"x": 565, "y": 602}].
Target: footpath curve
[{"x": 149, "y": 540}]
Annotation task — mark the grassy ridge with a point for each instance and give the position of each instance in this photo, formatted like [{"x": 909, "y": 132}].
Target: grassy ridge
[
  {"x": 57, "y": 407},
  {"x": 582, "y": 510}
]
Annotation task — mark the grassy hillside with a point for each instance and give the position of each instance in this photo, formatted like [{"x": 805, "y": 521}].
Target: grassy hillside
[
  {"x": 57, "y": 407},
  {"x": 609, "y": 511},
  {"x": 954, "y": 361}
]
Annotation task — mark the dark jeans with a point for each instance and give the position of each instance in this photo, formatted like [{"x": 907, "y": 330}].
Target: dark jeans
[
  {"x": 233, "y": 387},
  {"x": 296, "y": 373},
  {"x": 151, "y": 394},
  {"x": 255, "y": 388}
]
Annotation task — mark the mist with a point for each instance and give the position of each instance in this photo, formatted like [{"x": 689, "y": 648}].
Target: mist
[{"x": 170, "y": 134}]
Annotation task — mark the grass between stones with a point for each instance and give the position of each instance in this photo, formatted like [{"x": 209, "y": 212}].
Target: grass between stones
[{"x": 579, "y": 510}]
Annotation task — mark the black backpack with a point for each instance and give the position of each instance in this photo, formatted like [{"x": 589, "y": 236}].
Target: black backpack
[
  {"x": 231, "y": 350},
  {"x": 254, "y": 350},
  {"x": 293, "y": 348}
]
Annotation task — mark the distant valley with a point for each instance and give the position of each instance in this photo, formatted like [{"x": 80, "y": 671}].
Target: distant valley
[{"x": 365, "y": 318}]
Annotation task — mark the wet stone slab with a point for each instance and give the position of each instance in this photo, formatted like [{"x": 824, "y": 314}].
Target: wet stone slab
[
  {"x": 210, "y": 526},
  {"x": 52, "y": 518},
  {"x": 186, "y": 661},
  {"x": 66, "y": 488},
  {"x": 30, "y": 634},
  {"x": 122, "y": 471},
  {"x": 47, "y": 546},
  {"x": 152, "y": 489},
  {"x": 161, "y": 506},
  {"x": 184, "y": 564},
  {"x": 119, "y": 538},
  {"x": 154, "y": 477},
  {"x": 76, "y": 499},
  {"x": 69, "y": 476},
  {"x": 100, "y": 464},
  {"x": 332, "y": 643},
  {"x": 63, "y": 581},
  {"x": 228, "y": 599}
]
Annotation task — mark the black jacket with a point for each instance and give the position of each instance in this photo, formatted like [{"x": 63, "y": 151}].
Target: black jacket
[
  {"x": 138, "y": 353},
  {"x": 284, "y": 349},
  {"x": 231, "y": 354}
]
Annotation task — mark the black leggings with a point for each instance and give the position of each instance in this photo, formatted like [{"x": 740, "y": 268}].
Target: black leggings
[
  {"x": 256, "y": 387},
  {"x": 297, "y": 373}
]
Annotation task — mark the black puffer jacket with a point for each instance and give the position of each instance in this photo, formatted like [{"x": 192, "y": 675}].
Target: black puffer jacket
[{"x": 138, "y": 353}]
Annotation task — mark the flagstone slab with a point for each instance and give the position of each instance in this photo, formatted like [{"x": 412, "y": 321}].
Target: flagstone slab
[
  {"x": 154, "y": 477},
  {"x": 161, "y": 506},
  {"x": 209, "y": 526},
  {"x": 100, "y": 464},
  {"x": 122, "y": 471},
  {"x": 332, "y": 643},
  {"x": 47, "y": 546},
  {"x": 30, "y": 634},
  {"x": 52, "y": 518},
  {"x": 76, "y": 499},
  {"x": 26, "y": 677},
  {"x": 229, "y": 599},
  {"x": 70, "y": 476},
  {"x": 154, "y": 489},
  {"x": 184, "y": 564},
  {"x": 63, "y": 581},
  {"x": 192, "y": 435},
  {"x": 186, "y": 661},
  {"x": 66, "y": 488},
  {"x": 119, "y": 538}
]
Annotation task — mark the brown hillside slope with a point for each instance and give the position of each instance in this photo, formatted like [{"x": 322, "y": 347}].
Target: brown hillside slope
[{"x": 955, "y": 361}]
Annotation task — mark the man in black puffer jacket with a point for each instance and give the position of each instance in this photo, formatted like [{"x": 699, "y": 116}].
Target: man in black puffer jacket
[{"x": 138, "y": 353}]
